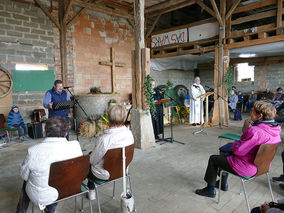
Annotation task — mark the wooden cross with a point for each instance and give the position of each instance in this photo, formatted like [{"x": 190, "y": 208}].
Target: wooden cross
[{"x": 113, "y": 64}]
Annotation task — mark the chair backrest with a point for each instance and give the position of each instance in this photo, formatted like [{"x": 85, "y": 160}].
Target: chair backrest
[
  {"x": 113, "y": 161},
  {"x": 67, "y": 176},
  {"x": 264, "y": 157}
]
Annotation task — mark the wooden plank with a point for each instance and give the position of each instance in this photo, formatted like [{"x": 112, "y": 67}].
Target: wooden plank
[
  {"x": 100, "y": 8},
  {"x": 49, "y": 15},
  {"x": 185, "y": 26},
  {"x": 218, "y": 16},
  {"x": 134, "y": 80},
  {"x": 234, "y": 6},
  {"x": 145, "y": 72},
  {"x": 268, "y": 40},
  {"x": 67, "y": 10},
  {"x": 107, "y": 63},
  {"x": 267, "y": 59},
  {"x": 171, "y": 8},
  {"x": 63, "y": 44},
  {"x": 165, "y": 4},
  {"x": 255, "y": 17},
  {"x": 279, "y": 16},
  {"x": 185, "y": 52},
  {"x": 216, "y": 112},
  {"x": 153, "y": 26},
  {"x": 139, "y": 45},
  {"x": 207, "y": 9},
  {"x": 76, "y": 17},
  {"x": 262, "y": 28},
  {"x": 113, "y": 86},
  {"x": 253, "y": 6}
]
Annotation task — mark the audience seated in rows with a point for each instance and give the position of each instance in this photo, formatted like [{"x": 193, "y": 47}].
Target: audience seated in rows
[
  {"x": 259, "y": 129},
  {"x": 117, "y": 136},
  {"x": 267, "y": 95},
  {"x": 36, "y": 166}
]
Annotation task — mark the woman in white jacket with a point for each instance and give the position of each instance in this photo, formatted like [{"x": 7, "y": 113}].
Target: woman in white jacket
[
  {"x": 36, "y": 166},
  {"x": 117, "y": 136}
]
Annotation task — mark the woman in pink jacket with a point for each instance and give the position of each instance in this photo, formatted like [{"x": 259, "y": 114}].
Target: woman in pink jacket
[{"x": 259, "y": 129}]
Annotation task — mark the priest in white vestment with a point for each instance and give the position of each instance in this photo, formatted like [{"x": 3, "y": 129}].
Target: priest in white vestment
[{"x": 196, "y": 105}]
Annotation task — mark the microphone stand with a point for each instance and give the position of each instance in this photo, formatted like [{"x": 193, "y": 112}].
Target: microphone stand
[
  {"x": 171, "y": 139},
  {"x": 75, "y": 119}
]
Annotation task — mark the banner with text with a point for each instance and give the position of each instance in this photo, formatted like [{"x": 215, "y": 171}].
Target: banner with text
[{"x": 173, "y": 37}]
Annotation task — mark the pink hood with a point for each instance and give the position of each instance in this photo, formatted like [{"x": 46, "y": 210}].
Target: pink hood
[{"x": 246, "y": 148}]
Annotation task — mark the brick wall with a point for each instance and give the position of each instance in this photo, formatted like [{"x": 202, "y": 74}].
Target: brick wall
[
  {"x": 26, "y": 36},
  {"x": 92, "y": 37}
]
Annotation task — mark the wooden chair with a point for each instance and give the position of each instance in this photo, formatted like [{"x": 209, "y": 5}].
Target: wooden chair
[
  {"x": 113, "y": 164},
  {"x": 263, "y": 159},
  {"x": 67, "y": 177}
]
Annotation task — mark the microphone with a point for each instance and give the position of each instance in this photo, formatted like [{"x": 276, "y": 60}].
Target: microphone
[{"x": 66, "y": 87}]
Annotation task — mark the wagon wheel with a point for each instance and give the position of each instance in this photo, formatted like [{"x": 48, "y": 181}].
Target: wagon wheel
[{"x": 6, "y": 82}]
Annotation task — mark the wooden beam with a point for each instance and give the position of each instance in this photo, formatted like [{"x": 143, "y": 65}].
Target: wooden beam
[
  {"x": 256, "y": 5},
  {"x": 234, "y": 6},
  {"x": 153, "y": 26},
  {"x": 145, "y": 72},
  {"x": 254, "y": 17},
  {"x": 168, "y": 6},
  {"x": 267, "y": 40},
  {"x": 101, "y": 8},
  {"x": 107, "y": 63},
  {"x": 67, "y": 10},
  {"x": 45, "y": 10},
  {"x": 113, "y": 70},
  {"x": 207, "y": 9},
  {"x": 218, "y": 16},
  {"x": 76, "y": 17},
  {"x": 130, "y": 21},
  {"x": 257, "y": 60},
  {"x": 279, "y": 16}
]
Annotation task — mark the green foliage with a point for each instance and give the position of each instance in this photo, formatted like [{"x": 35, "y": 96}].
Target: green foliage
[
  {"x": 229, "y": 79},
  {"x": 148, "y": 91},
  {"x": 170, "y": 85},
  {"x": 95, "y": 90}
]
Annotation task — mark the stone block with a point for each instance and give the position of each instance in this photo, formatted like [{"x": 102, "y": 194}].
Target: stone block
[
  {"x": 142, "y": 129},
  {"x": 8, "y": 51},
  {"x": 30, "y": 24},
  {"x": 13, "y": 21},
  {"x": 31, "y": 36},
  {"x": 24, "y": 53},
  {"x": 3, "y": 57},
  {"x": 13, "y": 9},
  {"x": 16, "y": 58},
  {"x": 38, "y": 20},
  {"x": 40, "y": 32},
  {"x": 5, "y": 14},
  {"x": 2, "y": 20},
  {"x": 39, "y": 55},
  {"x": 9, "y": 40},
  {"x": 40, "y": 43},
  {"x": 6, "y": 27},
  {"x": 47, "y": 38},
  {"x": 22, "y": 29},
  {"x": 21, "y": 17},
  {"x": 24, "y": 41},
  {"x": 2, "y": 32}
]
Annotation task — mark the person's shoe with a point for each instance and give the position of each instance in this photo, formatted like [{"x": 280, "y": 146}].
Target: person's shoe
[
  {"x": 22, "y": 138},
  {"x": 28, "y": 137},
  {"x": 194, "y": 124},
  {"x": 278, "y": 179},
  {"x": 92, "y": 195},
  {"x": 206, "y": 192},
  {"x": 281, "y": 185},
  {"x": 224, "y": 187}
]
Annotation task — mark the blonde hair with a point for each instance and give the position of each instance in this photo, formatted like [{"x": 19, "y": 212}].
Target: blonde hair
[
  {"x": 116, "y": 115},
  {"x": 265, "y": 108}
]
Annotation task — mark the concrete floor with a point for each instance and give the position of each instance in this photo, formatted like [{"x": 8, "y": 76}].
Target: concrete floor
[{"x": 164, "y": 178}]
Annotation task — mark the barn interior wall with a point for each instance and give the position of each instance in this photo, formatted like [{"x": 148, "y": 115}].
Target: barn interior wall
[
  {"x": 92, "y": 37},
  {"x": 177, "y": 77},
  {"x": 26, "y": 36}
]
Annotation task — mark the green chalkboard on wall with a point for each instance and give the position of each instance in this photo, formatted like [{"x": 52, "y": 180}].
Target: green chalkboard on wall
[{"x": 32, "y": 80}]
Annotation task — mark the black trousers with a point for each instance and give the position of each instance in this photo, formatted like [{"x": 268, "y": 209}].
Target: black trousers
[{"x": 215, "y": 164}]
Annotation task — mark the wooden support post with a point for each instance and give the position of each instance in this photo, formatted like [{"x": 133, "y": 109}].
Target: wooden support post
[
  {"x": 145, "y": 72},
  {"x": 113, "y": 86},
  {"x": 279, "y": 16}
]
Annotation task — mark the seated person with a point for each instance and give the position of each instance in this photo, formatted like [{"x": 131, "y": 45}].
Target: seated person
[
  {"x": 259, "y": 129},
  {"x": 118, "y": 135},
  {"x": 267, "y": 95},
  {"x": 233, "y": 100},
  {"x": 271, "y": 207},
  {"x": 240, "y": 100},
  {"x": 251, "y": 100},
  {"x": 35, "y": 168},
  {"x": 15, "y": 120},
  {"x": 278, "y": 98}
]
